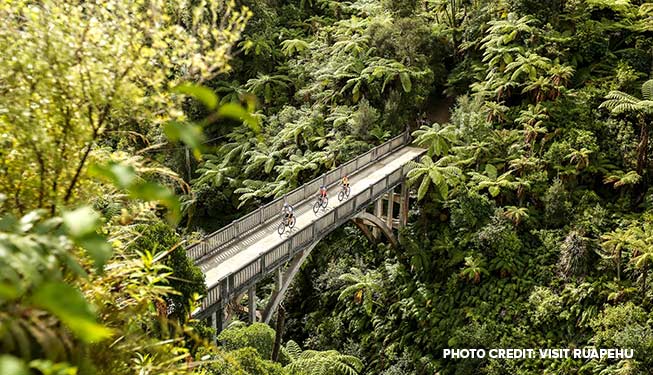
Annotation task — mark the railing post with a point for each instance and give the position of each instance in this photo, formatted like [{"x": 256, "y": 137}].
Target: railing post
[
  {"x": 378, "y": 212},
  {"x": 214, "y": 324},
  {"x": 403, "y": 205},
  {"x": 251, "y": 302},
  {"x": 391, "y": 207},
  {"x": 230, "y": 285}
]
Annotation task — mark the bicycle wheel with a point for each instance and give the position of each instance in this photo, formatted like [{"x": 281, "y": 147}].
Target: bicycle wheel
[
  {"x": 292, "y": 222},
  {"x": 282, "y": 227},
  {"x": 347, "y": 191},
  {"x": 325, "y": 202},
  {"x": 341, "y": 195},
  {"x": 316, "y": 207}
]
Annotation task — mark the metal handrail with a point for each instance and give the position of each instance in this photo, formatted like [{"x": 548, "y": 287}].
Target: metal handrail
[{"x": 212, "y": 243}]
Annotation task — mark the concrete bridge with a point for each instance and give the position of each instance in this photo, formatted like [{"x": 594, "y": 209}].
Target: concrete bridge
[{"x": 235, "y": 258}]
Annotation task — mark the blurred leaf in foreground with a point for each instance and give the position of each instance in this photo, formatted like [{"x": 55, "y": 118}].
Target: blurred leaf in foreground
[
  {"x": 124, "y": 177},
  {"x": 68, "y": 304},
  {"x": 82, "y": 225}
]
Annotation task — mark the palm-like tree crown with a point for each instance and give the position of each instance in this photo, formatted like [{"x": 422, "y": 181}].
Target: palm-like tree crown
[
  {"x": 620, "y": 102},
  {"x": 315, "y": 362}
]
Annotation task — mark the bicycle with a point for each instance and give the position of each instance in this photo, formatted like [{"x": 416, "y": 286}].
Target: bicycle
[
  {"x": 285, "y": 222},
  {"x": 321, "y": 202},
  {"x": 344, "y": 193}
]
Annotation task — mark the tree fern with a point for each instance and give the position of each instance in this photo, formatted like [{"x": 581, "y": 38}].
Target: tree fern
[
  {"x": 355, "y": 46},
  {"x": 620, "y": 179},
  {"x": 441, "y": 174},
  {"x": 493, "y": 182},
  {"x": 214, "y": 171},
  {"x": 437, "y": 139},
  {"x": 267, "y": 85},
  {"x": 290, "y": 47},
  {"x": 364, "y": 287},
  {"x": 618, "y": 102},
  {"x": 312, "y": 362},
  {"x": 261, "y": 158}
]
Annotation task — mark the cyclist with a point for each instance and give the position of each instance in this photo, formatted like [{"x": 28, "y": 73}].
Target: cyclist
[
  {"x": 287, "y": 211},
  {"x": 323, "y": 192},
  {"x": 345, "y": 182}
]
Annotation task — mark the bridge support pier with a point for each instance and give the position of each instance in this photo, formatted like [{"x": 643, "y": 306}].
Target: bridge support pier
[
  {"x": 378, "y": 212},
  {"x": 251, "y": 301},
  {"x": 391, "y": 205},
  {"x": 218, "y": 322},
  {"x": 404, "y": 202}
]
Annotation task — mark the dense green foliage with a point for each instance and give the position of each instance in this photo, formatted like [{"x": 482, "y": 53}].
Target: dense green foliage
[{"x": 531, "y": 226}]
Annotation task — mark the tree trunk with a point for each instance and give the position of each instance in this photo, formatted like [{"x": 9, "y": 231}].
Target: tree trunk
[
  {"x": 644, "y": 274},
  {"x": 619, "y": 265},
  {"x": 642, "y": 163},
  {"x": 281, "y": 318},
  {"x": 642, "y": 148}
]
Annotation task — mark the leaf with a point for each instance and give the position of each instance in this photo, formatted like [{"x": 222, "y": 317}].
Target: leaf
[
  {"x": 267, "y": 93},
  {"x": 98, "y": 248},
  {"x": 124, "y": 177},
  {"x": 405, "y": 81},
  {"x": 494, "y": 190},
  {"x": 68, "y": 304},
  {"x": 201, "y": 93},
  {"x": 81, "y": 222},
  {"x": 191, "y": 135},
  {"x": 423, "y": 187},
  {"x": 10, "y": 365},
  {"x": 237, "y": 112},
  {"x": 491, "y": 171},
  {"x": 8, "y": 292},
  {"x": 444, "y": 190},
  {"x": 82, "y": 225},
  {"x": 151, "y": 191},
  {"x": 356, "y": 92}
]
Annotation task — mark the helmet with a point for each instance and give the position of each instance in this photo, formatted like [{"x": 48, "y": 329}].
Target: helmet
[{"x": 285, "y": 204}]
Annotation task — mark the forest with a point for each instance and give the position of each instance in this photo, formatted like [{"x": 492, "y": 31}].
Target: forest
[{"x": 133, "y": 128}]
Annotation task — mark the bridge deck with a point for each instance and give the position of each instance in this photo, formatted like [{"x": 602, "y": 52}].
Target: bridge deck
[{"x": 264, "y": 238}]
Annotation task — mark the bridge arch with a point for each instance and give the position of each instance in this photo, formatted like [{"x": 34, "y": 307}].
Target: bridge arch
[
  {"x": 362, "y": 219},
  {"x": 285, "y": 280}
]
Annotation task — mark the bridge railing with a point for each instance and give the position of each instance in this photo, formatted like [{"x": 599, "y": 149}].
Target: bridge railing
[
  {"x": 219, "y": 239},
  {"x": 241, "y": 279}
]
